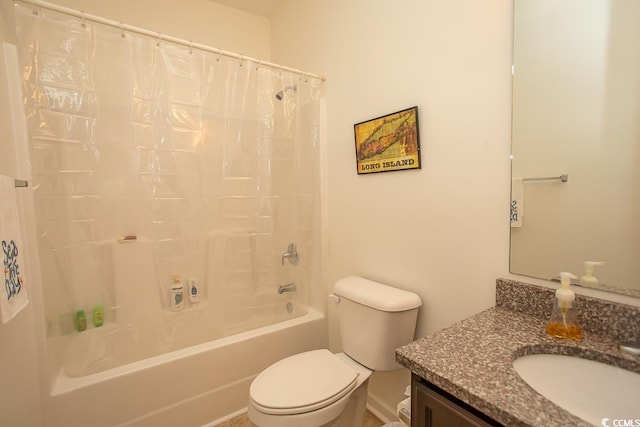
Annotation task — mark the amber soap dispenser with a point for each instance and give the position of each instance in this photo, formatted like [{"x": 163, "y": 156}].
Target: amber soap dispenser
[{"x": 563, "y": 318}]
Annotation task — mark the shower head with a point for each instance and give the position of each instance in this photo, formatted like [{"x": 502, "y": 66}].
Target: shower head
[{"x": 286, "y": 89}]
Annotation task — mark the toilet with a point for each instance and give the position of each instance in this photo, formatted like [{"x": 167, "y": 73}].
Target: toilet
[{"x": 318, "y": 388}]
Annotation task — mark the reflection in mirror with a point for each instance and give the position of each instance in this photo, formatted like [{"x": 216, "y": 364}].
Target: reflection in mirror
[{"x": 576, "y": 111}]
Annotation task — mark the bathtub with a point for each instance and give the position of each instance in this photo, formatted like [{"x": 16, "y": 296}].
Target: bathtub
[{"x": 195, "y": 386}]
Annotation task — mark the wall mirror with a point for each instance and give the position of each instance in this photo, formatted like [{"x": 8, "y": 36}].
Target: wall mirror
[{"x": 576, "y": 111}]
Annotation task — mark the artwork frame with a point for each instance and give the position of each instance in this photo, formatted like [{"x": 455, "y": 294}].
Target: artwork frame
[{"x": 388, "y": 143}]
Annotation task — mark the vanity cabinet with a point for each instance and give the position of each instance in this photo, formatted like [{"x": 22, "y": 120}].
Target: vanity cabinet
[{"x": 432, "y": 407}]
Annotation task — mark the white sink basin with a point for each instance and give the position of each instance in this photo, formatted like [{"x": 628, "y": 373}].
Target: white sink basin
[{"x": 596, "y": 392}]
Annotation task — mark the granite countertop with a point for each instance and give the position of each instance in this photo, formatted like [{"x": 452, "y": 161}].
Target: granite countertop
[{"x": 473, "y": 361}]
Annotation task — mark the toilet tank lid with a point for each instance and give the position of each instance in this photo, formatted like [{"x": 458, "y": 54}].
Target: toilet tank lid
[{"x": 376, "y": 295}]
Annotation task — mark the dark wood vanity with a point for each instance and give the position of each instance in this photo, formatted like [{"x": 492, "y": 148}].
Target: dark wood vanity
[{"x": 433, "y": 407}]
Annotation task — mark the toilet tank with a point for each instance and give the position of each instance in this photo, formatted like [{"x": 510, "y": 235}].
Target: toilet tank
[{"x": 375, "y": 319}]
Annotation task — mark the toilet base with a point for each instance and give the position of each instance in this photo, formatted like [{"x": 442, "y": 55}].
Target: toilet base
[{"x": 353, "y": 414}]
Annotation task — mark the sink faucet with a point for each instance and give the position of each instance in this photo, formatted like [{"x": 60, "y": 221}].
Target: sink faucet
[
  {"x": 289, "y": 287},
  {"x": 291, "y": 254},
  {"x": 632, "y": 348}
]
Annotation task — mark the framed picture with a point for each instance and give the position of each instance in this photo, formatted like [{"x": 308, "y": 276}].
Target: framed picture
[{"x": 388, "y": 143}]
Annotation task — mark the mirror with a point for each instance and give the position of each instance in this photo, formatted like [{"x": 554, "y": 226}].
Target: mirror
[{"x": 576, "y": 111}]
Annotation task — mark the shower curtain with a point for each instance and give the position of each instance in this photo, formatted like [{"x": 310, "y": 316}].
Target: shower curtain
[{"x": 153, "y": 161}]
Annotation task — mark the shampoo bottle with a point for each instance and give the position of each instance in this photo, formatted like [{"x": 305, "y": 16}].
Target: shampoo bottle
[
  {"x": 81, "y": 320},
  {"x": 177, "y": 294},
  {"x": 563, "y": 319},
  {"x": 98, "y": 315},
  {"x": 588, "y": 279}
]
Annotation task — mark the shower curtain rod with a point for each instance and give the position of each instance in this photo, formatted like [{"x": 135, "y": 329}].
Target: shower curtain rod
[{"x": 158, "y": 36}]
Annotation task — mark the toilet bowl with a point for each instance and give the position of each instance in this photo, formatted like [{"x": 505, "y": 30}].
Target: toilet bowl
[{"x": 318, "y": 388}]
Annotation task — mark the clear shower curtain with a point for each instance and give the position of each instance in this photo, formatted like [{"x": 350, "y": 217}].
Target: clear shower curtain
[{"x": 152, "y": 160}]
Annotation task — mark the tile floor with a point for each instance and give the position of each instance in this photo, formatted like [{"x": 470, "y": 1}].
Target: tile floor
[{"x": 243, "y": 421}]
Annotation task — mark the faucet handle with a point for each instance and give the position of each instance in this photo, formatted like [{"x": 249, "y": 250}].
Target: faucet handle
[{"x": 291, "y": 254}]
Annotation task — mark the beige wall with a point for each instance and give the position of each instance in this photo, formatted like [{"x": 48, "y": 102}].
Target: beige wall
[{"x": 442, "y": 231}]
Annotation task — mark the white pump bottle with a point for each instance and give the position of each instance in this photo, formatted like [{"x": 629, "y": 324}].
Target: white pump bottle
[
  {"x": 589, "y": 279},
  {"x": 564, "y": 294}
]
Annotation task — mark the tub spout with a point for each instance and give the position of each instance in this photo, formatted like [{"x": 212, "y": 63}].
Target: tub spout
[{"x": 289, "y": 287}]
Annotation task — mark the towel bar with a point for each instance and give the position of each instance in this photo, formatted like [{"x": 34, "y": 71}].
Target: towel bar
[{"x": 563, "y": 178}]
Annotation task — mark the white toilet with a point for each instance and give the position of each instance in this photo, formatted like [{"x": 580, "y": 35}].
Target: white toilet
[{"x": 318, "y": 388}]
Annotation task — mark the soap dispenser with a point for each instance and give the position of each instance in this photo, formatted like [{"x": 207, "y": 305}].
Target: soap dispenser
[
  {"x": 563, "y": 319},
  {"x": 588, "y": 279}
]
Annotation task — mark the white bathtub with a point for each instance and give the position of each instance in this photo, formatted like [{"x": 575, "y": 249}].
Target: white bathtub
[{"x": 193, "y": 386}]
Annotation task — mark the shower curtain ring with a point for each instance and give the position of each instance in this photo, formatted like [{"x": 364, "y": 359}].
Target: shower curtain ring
[
  {"x": 84, "y": 19},
  {"x": 122, "y": 34},
  {"x": 191, "y": 47},
  {"x": 158, "y": 38}
]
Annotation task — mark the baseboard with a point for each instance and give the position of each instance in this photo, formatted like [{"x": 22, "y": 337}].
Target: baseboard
[
  {"x": 380, "y": 410},
  {"x": 226, "y": 418},
  {"x": 373, "y": 405}
]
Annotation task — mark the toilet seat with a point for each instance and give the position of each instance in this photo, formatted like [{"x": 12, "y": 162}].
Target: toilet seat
[{"x": 302, "y": 383}]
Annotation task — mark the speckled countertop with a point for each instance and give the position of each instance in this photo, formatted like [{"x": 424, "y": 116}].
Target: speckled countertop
[{"x": 472, "y": 360}]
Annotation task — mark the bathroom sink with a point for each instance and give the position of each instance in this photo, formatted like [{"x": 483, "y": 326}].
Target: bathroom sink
[{"x": 593, "y": 391}]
